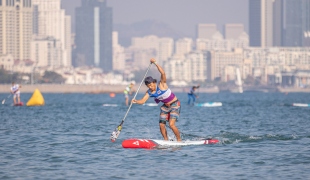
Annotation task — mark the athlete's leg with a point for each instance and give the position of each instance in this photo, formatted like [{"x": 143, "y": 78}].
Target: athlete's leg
[
  {"x": 18, "y": 98},
  {"x": 174, "y": 115},
  {"x": 174, "y": 129},
  {"x": 164, "y": 116},
  {"x": 126, "y": 99},
  {"x": 14, "y": 98},
  {"x": 192, "y": 98},
  {"x": 162, "y": 127}
]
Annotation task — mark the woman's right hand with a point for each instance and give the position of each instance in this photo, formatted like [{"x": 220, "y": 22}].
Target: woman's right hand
[{"x": 134, "y": 101}]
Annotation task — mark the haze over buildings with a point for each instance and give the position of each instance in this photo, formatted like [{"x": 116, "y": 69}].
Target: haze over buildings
[{"x": 213, "y": 41}]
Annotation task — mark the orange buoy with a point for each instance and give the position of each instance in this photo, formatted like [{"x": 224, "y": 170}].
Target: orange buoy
[{"x": 112, "y": 95}]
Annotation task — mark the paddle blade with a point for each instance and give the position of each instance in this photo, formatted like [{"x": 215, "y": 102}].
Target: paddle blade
[
  {"x": 116, "y": 133},
  {"x": 3, "y": 101}
]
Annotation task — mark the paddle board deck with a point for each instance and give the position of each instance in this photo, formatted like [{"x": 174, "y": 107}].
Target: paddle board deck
[
  {"x": 18, "y": 104},
  {"x": 209, "y": 104},
  {"x": 154, "y": 143}
]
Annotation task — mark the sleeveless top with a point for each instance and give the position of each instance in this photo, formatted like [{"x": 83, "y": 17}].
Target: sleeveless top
[
  {"x": 191, "y": 92},
  {"x": 127, "y": 90},
  {"x": 15, "y": 88},
  {"x": 164, "y": 96}
]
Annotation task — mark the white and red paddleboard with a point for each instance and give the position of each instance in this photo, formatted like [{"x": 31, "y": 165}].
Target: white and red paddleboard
[{"x": 153, "y": 143}]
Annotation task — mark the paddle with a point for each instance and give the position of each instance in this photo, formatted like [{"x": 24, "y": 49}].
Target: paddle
[
  {"x": 118, "y": 129},
  {"x": 3, "y": 101},
  {"x": 198, "y": 94}
]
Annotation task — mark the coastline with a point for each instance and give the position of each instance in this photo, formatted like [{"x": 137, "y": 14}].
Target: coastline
[
  {"x": 94, "y": 89},
  {"x": 105, "y": 88}
]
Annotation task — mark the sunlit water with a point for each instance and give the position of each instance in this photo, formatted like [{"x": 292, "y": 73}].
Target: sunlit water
[{"x": 261, "y": 137}]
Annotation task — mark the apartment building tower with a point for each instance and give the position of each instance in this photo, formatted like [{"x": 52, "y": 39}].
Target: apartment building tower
[
  {"x": 94, "y": 35},
  {"x": 261, "y": 23},
  {"x": 15, "y": 28}
]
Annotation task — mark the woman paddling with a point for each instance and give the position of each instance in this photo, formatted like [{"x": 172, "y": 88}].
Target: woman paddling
[{"x": 170, "y": 110}]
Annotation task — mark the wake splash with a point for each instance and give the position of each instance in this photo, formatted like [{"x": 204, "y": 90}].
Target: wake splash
[{"x": 233, "y": 138}]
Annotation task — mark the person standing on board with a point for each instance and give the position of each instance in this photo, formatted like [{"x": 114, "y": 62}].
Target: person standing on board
[
  {"x": 171, "y": 108},
  {"x": 16, "y": 93},
  {"x": 127, "y": 92},
  {"x": 191, "y": 94}
]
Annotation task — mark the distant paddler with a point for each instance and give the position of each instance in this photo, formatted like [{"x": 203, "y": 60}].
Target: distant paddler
[
  {"x": 192, "y": 95},
  {"x": 170, "y": 110},
  {"x": 15, "y": 90},
  {"x": 128, "y": 91}
]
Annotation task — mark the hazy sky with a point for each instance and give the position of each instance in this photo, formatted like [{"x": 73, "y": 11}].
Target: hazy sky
[{"x": 182, "y": 15}]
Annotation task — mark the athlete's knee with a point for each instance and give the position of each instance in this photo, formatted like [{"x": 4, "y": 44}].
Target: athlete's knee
[
  {"x": 162, "y": 125},
  {"x": 172, "y": 122}
]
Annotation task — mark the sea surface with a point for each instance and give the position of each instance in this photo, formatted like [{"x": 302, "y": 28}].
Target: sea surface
[{"x": 262, "y": 136}]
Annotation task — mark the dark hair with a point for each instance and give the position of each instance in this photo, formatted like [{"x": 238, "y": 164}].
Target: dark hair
[{"x": 149, "y": 80}]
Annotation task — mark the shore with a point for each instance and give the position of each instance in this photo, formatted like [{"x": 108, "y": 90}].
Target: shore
[{"x": 96, "y": 89}]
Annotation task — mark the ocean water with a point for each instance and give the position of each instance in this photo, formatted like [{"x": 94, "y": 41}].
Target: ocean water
[{"x": 261, "y": 137}]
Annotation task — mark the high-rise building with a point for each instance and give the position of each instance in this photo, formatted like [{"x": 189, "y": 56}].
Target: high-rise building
[
  {"x": 296, "y": 22},
  {"x": 183, "y": 46},
  {"x": 277, "y": 22},
  {"x": 291, "y": 23},
  {"x": 94, "y": 35},
  {"x": 50, "y": 21},
  {"x": 205, "y": 31},
  {"x": 119, "y": 61},
  {"x": 15, "y": 28},
  {"x": 165, "y": 49},
  {"x": 261, "y": 23},
  {"x": 233, "y": 31}
]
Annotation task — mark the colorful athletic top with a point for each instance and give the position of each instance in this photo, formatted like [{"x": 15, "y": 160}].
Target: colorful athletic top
[
  {"x": 127, "y": 90},
  {"x": 15, "y": 88},
  {"x": 164, "y": 96}
]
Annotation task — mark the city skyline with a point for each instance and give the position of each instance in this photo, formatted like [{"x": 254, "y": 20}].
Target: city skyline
[
  {"x": 214, "y": 52},
  {"x": 180, "y": 15}
]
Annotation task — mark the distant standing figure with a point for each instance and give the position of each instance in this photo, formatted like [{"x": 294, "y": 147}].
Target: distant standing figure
[
  {"x": 127, "y": 92},
  {"x": 15, "y": 90},
  {"x": 192, "y": 95}
]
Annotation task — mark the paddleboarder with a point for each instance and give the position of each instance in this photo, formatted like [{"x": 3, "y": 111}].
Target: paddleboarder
[
  {"x": 127, "y": 92},
  {"x": 192, "y": 95},
  {"x": 15, "y": 90},
  {"x": 170, "y": 110}
]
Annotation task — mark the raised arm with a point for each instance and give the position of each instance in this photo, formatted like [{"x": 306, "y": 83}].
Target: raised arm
[{"x": 163, "y": 78}]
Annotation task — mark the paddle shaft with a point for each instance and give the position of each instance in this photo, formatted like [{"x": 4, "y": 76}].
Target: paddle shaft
[
  {"x": 136, "y": 94},
  {"x": 3, "y": 101}
]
